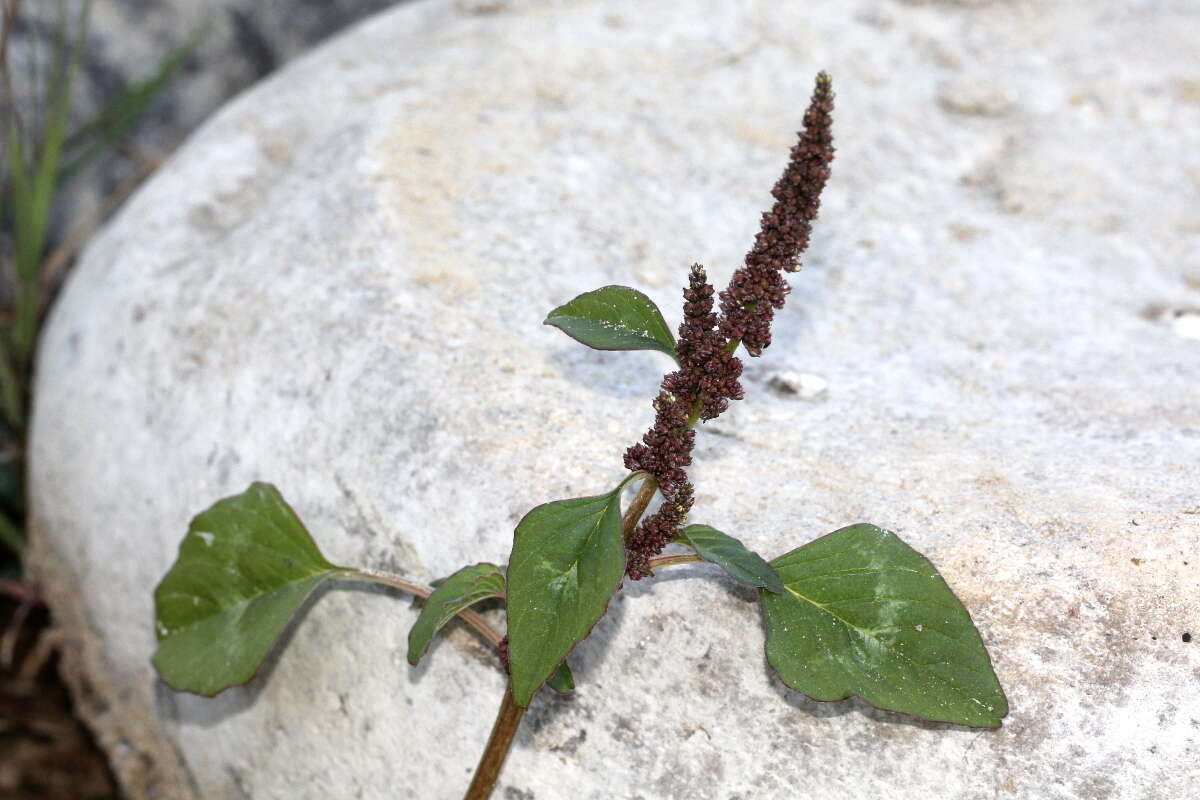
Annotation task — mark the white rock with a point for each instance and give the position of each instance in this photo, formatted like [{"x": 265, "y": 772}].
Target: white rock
[
  {"x": 1187, "y": 324},
  {"x": 804, "y": 385},
  {"x": 975, "y": 97},
  {"x": 338, "y": 286}
]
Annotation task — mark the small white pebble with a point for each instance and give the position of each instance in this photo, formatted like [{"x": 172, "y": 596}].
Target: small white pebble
[{"x": 1186, "y": 324}]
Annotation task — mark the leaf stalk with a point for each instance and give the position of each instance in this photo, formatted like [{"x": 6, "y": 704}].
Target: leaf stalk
[
  {"x": 671, "y": 561},
  {"x": 467, "y": 615}
]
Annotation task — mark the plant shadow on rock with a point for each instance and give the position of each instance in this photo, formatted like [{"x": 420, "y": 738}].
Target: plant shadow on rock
[
  {"x": 592, "y": 371},
  {"x": 830, "y": 709},
  {"x": 818, "y": 709},
  {"x": 207, "y": 712}
]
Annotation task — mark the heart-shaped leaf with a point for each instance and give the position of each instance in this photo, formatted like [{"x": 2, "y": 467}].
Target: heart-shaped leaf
[
  {"x": 567, "y": 560},
  {"x": 730, "y": 554},
  {"x": 562, "y": 681},
  {"x": 244, "y": 568},
  {"x": 863, "y": 614},
  {"x": 462, "y": 589},
  {"x": 614, "y": 318}
]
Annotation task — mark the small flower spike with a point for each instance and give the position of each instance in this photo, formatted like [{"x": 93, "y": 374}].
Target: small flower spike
[
  {"x": 758, "y": 289},
  {"x": 707, "y": 378}
]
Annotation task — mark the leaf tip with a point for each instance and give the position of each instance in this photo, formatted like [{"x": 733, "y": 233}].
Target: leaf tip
[{"x": 774, "y": 584}]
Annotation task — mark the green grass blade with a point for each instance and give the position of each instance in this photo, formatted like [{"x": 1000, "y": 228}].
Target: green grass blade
[
  {"x": 10, "y": 534},
  {"x": 45, "y": 173},
  {"x": 116, "y": 119},
  {"x": 18, "y": 190},
  {"x": 33, "y": 180},
  {"x": 11, "y": 401}
]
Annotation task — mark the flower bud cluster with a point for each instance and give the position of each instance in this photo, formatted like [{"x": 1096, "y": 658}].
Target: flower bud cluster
[
  {"x": 758, "y": 289},
  {"x": 502, "y": 651},
  {"x": 654, "y": 532},
  {"x": 666, "y": 448},
  {"x": 708, "y": 370},
  {"x": 707, "y": 378}
]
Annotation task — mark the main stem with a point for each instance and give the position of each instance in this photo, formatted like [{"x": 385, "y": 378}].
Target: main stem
[
  {"x": 508, "y": 719},
  {"x": 636, "y": 508}
]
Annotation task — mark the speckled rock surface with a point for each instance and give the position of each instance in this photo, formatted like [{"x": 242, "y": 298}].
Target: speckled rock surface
[{"x": 338, "y": 284}]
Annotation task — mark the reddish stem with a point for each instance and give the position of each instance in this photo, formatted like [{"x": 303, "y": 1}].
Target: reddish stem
[{"x": 499, "y": 743}]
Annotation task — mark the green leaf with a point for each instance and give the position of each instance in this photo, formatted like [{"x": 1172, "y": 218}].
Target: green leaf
[
  {"x": 462, "y": 589},
  {"x": 244, "y": 568},
  {"x": 614, "y": 318},
  {"x": 562, "y": 681},
  {"x": 732, "y": 556},
  {"x": 865, "y": 615},
  {"x": 568, "y": 558}
]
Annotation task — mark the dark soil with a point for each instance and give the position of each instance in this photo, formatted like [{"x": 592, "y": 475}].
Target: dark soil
[{"x": 45, "y": 752}]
